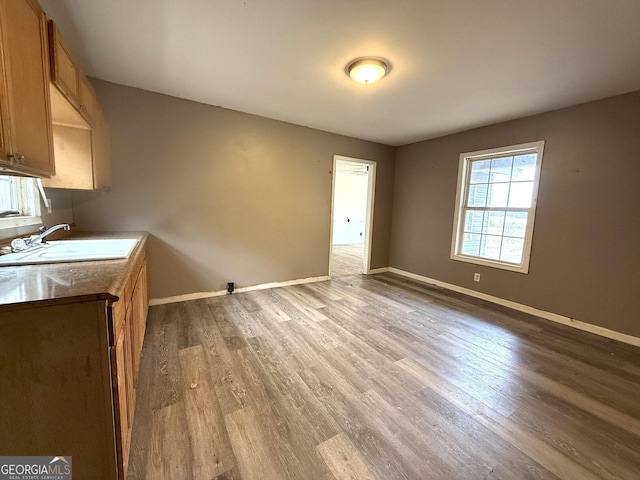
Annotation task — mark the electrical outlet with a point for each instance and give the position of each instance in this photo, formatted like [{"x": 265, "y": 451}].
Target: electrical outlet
[{"x": 476, "y": 277}]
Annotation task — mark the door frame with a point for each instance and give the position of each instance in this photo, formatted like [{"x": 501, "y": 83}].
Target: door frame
[{"x": 368, "y": 225}]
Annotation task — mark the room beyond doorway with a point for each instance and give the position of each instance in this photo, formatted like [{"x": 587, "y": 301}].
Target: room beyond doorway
[{"x": 351, "y": 213}]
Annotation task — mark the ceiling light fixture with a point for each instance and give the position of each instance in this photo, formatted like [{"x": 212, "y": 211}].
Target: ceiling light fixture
[{"x": 367, "y": 70}]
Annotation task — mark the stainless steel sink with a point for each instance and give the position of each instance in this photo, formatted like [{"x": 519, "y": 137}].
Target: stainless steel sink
[{"x": 72, "y": 251}]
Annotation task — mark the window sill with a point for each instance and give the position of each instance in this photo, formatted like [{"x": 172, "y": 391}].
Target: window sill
[
  {"x": 488, "y": 263},
  {"x": 13, "y": 222}
]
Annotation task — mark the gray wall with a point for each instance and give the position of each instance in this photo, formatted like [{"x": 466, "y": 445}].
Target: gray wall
[
  {"x": 226, "y": 196},
  {"x": 585, "y": 258}
]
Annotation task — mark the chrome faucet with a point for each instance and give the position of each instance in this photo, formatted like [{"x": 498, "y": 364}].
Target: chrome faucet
[
  {"x": 45, "y": 232},
  {"x": 22, "y": 244}
]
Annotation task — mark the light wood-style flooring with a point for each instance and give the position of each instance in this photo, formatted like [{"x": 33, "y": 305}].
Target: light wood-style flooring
[
  {"x": 346, "y": 259},
  {"x": 379, "y": 377}
]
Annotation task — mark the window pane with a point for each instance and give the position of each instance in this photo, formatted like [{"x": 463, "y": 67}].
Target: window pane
[
  {"x": 521, "y": 193},
  {"x": 498, "y": 195},
  {"x": 6, "y": 194},
  {"x": 515, "y": 224},
  {"x": 524, "y": 167},
  {"x": 19, "y": 194},
  {"x": 477, "y": 195},
  {"x": 495, "y": 223},
  {"x": 501, "y": 169},
  {"x": 473, "y": 221},
  {"x": 470, "y": 244},
  {"x": 490, "y": 246},
  {"x": 512, "y": 250},
  {"x": 480, "y": 171}
]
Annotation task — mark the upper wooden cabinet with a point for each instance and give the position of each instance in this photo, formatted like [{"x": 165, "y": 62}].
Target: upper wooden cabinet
[
  {"x": 81, "y": 151},
  {"x": 26, "y": 144},
  {"x": 68, "y": 78},
  {"x": 80, "y": 131},
  {"x": 56, "y": 132}
]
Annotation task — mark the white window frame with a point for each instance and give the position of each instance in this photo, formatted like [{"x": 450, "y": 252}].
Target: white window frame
[
  {"x": 464, "y": 176},
  {"x": 27, "y": 197}
]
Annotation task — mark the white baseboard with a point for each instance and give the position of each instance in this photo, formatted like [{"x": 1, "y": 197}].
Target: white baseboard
[
  {"x": 554, "y": 317},
  {"x": 262, "y": 286},
  {"x": 373, "y": 271}
]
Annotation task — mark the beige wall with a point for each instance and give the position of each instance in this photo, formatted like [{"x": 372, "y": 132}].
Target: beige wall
[
  {"x": 226, "y": 196},
  {"x": 585, "y": 258}
]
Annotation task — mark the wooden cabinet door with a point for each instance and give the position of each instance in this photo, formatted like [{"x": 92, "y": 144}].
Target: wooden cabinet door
[
  {"x": 5, "y": 148},
  {"x": 129, "y": 353},
  {"x": 88, "y": 101},
  {"x": 121, "y": 379},
  {"x": 26, "y": 67},
  {"x": 65, "y": 73},
  {"x": 143, "y": 303},
  {"x": 140, "y": 305}
]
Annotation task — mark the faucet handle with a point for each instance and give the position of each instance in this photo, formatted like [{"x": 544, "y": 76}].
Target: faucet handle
[
  {"x": 18, "y": 245},
  {"x": 42, "y": 229}
]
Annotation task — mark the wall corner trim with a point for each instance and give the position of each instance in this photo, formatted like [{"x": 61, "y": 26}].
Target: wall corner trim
[
  {"x": 218, "y": 293},
  {"x": 554, "y": 317}
]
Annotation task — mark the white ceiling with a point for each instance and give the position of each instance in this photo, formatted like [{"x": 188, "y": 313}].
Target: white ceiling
[{"x": 455, "y": 64}]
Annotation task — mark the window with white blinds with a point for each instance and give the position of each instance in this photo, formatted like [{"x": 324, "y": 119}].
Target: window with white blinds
[{"x": 495, "y": 206}]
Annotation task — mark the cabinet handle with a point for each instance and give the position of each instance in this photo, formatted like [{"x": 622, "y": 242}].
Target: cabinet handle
[{"x": 17, "y": 158}]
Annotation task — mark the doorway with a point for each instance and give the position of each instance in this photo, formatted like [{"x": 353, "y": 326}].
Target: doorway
[{"x": 351, "y": 216}]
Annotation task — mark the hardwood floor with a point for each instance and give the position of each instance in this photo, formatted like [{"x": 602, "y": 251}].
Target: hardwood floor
[
  {"x": 379, "y": 377},
  {"x": 346, "y": 259}
]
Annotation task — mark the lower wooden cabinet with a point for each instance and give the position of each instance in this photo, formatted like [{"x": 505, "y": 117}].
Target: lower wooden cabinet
[
  {"x": 129, "y": 318},
  {"x": 68, "y": 371}
]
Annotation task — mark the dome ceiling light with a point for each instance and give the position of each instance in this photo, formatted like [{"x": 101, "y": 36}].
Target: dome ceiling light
[{"x": 367, "y": 70}]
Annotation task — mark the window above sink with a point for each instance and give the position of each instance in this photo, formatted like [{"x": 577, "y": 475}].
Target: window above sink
[{"x": 18, "y": 194}]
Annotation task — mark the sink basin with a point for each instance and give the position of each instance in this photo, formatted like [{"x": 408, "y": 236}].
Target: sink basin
[{"x": 73, "y": 251}]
